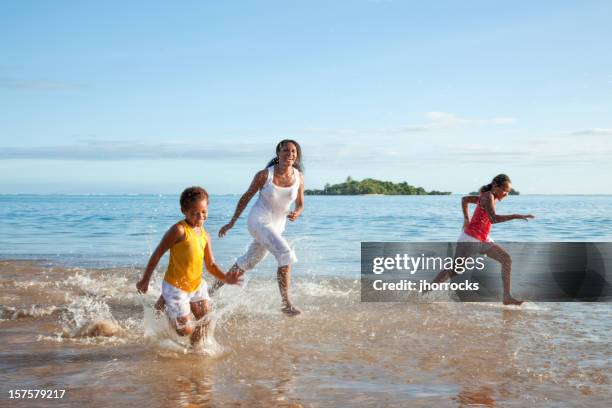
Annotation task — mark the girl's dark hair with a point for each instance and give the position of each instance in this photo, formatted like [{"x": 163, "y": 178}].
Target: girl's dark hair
[
  {"x": 498, "y": 180},
  {"x": 192, "y": 195},
  {"x": 298, "y": 162}
]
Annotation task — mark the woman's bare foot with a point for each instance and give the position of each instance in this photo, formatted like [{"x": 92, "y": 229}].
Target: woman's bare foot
[
  {"x": 509, "y": 300},
  {"x": 214, "y": 287},
  {"x": 291, "y": 310}
]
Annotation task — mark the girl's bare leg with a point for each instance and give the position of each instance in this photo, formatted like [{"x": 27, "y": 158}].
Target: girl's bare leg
[
  {"x": 283, "y": 274},
  {"x": 160, "y": 305},
  {"x": 500, "y": 255},
  {"x": 199, "y": 310},
  {"x": 443, "y": 276},
  {"x": 463, "y": 249},
  {"x": 183, "y": 326}
]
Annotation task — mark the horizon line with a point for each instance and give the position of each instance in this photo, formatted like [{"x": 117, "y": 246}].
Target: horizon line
[{"x": 312, "y": 195}]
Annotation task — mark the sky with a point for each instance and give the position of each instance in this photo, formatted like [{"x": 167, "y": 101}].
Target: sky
[{"x": 151, "y": 97}]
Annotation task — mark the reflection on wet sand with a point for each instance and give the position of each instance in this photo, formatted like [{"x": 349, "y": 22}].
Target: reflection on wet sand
[
  {"x": 340, "y": 352},
  {"x": 480, "y": 396}
]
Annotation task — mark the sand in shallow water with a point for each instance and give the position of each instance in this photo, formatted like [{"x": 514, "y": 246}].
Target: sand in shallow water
[{"x": 86, "y": 331}]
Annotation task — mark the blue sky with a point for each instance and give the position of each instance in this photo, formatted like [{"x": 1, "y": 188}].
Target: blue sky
[{"x": 149, "y": 97}]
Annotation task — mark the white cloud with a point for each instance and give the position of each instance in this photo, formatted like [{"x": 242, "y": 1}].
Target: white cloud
[
  {"x": 436, "y": 120},
  {"x": 444, "y": 119},
  {"x": 534, "y": 152},
  {"x": 380, "y": 151},
  {"x": 135, "y": 150},
  {"x": 527, "y": 151},
  {"x": 592, "y": 132}
]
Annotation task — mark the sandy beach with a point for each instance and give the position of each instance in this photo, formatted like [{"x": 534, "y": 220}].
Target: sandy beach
[{"x": 88, "y": 332}]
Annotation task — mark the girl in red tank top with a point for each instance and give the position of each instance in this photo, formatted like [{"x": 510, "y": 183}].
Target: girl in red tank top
[
  {"x": 480, "y": 224},
  {"x": 476, "y": 231}
]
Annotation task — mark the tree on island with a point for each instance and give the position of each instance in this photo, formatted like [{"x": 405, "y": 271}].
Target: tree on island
[{"x": 372, "y": 186}]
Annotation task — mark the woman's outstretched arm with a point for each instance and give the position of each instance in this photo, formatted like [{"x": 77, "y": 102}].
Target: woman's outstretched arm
[{"x": 258, "y": 182}]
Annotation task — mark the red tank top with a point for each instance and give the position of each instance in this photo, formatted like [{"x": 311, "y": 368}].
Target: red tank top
[{"x": 480, "y": 224}]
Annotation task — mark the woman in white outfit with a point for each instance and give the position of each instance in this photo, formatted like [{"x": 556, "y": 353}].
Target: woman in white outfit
[{"x": 279, "y": 185}]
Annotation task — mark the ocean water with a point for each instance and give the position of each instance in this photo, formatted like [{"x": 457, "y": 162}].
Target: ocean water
[
  {"x": 70, "y": 317},
  {"x": 112, "y": 231}
]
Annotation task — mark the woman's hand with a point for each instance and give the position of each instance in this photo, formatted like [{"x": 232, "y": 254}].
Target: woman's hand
[
  {"x": 234, "y": 277},
  {"x": 225, "y": 228},
  {"x": 526, "y": 217},
  {"x": 293, "y": 215},
  {"x": 466, "y": 223}
]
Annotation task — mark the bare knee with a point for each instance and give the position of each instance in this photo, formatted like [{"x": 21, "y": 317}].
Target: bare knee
[
  {"x": 506, "y": 259},
  {"x": 200, "y": 309},
  {"x": 183, "y": 326},
  {"x": 184, "y": 331},
  {"x": 500, "y": 255}
]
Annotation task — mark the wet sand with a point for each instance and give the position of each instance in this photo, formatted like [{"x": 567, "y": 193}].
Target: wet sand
[{"x": 88, "y": 332}]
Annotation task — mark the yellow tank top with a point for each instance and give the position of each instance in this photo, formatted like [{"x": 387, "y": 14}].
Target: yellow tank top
[{"x": 186, "y": 259}]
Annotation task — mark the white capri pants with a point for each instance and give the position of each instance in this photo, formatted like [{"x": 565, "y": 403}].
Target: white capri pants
[{"x": 266, "y": 239}]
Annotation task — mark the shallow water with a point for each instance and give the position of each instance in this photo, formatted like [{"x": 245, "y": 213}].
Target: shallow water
[{"x": 339, "y": 352}]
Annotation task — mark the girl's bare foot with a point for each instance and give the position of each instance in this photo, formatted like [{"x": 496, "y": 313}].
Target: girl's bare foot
[{"x": 509, "y": 300}]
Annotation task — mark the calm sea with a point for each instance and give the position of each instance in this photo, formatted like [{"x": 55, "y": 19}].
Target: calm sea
[{"x": 111, "y": 231}]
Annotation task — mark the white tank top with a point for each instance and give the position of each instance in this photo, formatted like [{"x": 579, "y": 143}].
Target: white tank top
[{"x": 274, "y": 202}]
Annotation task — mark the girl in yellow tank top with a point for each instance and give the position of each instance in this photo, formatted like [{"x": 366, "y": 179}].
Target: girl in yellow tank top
[
  {"x": 186, "y": 260},
  {"x": 184, "y": 291}
]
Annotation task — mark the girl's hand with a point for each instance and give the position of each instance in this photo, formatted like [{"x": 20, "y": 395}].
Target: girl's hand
[
  {"x": 466, "y": 223},
  {"x": 527, "y": 217},
  {"x": 225, "y": 228},
  {"x": 293, "y": 215},
  {"x": 142, "y": 286}
]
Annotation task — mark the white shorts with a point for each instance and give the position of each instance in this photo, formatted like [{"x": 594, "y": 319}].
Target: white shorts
[
  {"x": 178, "y": 301},
  {"x": 463, "y": 237},
  {"x": 467, "y": 245},
  {"x": 266, "y": 240}
]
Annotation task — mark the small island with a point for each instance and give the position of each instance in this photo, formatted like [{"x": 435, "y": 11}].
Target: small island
[{"x": 372, "y": 186}]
